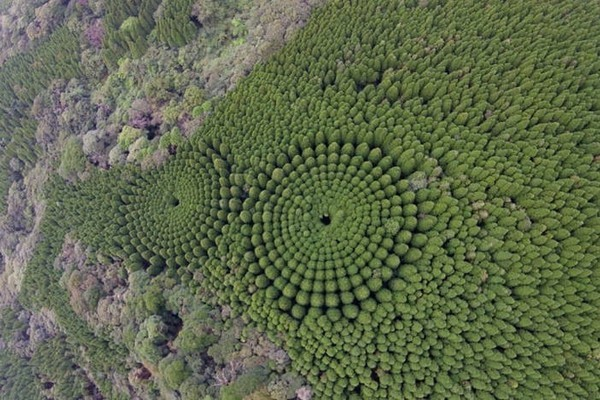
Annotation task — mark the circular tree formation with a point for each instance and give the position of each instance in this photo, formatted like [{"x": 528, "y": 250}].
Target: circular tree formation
[
  {"x": 175, "y": 213},
  {"x": 499, "y": 303},
  {"x": 410, "y": 202},
  {"x": 351, "y": 244},
  {"x": 331, "y": 224}
]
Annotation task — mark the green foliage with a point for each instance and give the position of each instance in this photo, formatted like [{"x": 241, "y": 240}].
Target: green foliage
[
  {"x": 238, "y": 28},
  {"x": 127, "y": 136},
  {"x": 172, "y": 138},
  {"x": 126, "y": 25},
  {"x": 22, "y": 77},
  {"x": 17, "y": 379},
  {"x": 153, "y": 300},
  {"x": 174, "y": 371},
  {"x": 72, "y": 160},
  {"x": 193, "y": 389},
  {"x": 175, "y": 26},
  {"x": 55, "y": 360},
  {"x": 245, "y": 384},
  {"x": 150, "y": 340},
  {"x": 227, "y": 345},
  {"x": 285, "y": 387},
  {"x": 196, "y": 335},
  {"x": 192, "y": 97},
  {"x": 9, "y": 323},
  {"x": 105, "y": 355},
  {"x": 371, "y": 196}
]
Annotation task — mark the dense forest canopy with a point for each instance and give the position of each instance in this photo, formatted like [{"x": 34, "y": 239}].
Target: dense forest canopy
[{"x": 402, "y": 202}]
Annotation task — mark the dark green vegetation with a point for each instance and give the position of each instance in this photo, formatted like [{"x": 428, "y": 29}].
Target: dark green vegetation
[
  {"x": 17, "y": 379},
  {"x": 94, "y": 84},
  {"x": 41, "y": 288},
  {"x": 409, "y": 202},
  {"x": 174, "y": 26},
  {"x": 405, "y": 197},
  {"x": 21, "y": 78},
  {"x": 126, "y": 25}
]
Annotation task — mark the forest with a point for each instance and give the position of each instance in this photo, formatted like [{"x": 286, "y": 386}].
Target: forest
[{"x": 256, "y": 200}]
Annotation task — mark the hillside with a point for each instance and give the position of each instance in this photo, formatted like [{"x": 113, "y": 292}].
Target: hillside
[{"x": 400, "y": 202}]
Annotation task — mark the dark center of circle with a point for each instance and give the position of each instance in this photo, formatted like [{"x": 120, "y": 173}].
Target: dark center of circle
[
  {"x": 325, "y": 219},
  {"x": 174, "y": 201}
]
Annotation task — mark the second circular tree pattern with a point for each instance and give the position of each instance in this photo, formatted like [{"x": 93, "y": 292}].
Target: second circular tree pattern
[{"x": 174, "y": 214}]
